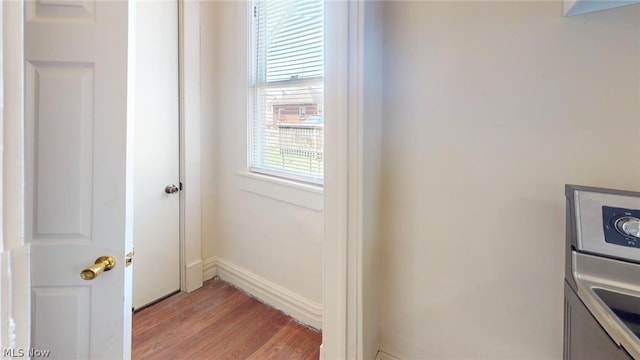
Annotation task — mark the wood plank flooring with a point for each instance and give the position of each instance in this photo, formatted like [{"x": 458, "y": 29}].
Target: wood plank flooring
[{"x": 219, "y": 321}]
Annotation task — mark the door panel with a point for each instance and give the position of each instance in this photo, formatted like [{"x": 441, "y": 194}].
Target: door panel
[
  {"x": 76, "y": 156},
  {"x": 62, "y": 99},
  {"x": 70, "y": 303},
  {"x": 156, "y": 269},
  {"x": 60, "y": 9}
]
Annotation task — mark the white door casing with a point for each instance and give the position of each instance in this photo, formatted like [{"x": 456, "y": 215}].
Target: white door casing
[
  {"x": 190, "y": 162},
  {"x": 348, "y": 168},
  {"x": 77, "y": 186},
  {"x": 14, "y": 270},
  {"x": 156, "y": 268}
]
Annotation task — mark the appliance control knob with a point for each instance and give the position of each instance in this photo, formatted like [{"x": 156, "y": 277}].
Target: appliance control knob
[{"x": 628, "y": 226}]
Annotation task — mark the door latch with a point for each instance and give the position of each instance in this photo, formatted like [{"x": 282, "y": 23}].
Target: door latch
[{"x": 128, "y": 259}]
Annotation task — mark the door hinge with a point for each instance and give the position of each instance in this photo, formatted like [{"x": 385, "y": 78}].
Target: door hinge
[{"x": 128, "y": 259}]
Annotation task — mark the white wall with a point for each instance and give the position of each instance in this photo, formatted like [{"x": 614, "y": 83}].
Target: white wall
[
  {"x": 272, "y": 239},
  {"x": 489, "y": 109}
]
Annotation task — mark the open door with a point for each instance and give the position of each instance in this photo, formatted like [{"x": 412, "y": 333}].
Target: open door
[{"x": 78, "y": 187}]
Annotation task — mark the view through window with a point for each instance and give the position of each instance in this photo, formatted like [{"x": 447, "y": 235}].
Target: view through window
[{"x": 287, "y": 118}]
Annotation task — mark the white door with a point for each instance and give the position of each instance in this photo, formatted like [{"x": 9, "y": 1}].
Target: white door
[
  {"x": 78, "y": 189},
  {"x": 156, "y": 269}
]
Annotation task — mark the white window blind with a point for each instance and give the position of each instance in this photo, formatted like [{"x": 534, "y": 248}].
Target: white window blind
[{"x": 287, "y": 118}]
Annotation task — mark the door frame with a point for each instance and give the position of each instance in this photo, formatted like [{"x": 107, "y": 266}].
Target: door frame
[
  {"x": 342, "y": 335},
  {"x": 191, "y": 269},
  {"x": 15, "y": 287},
  {"x": 347, "y": 221}
]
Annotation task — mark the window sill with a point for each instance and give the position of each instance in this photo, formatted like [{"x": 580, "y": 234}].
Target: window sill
[{"x": 292, "y": 192}]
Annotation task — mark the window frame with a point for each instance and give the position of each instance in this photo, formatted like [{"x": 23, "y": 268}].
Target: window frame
[{"x": 256, "y": 116}]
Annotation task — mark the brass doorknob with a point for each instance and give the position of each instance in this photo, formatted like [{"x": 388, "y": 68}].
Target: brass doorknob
[{"x": 103, "y": 263}]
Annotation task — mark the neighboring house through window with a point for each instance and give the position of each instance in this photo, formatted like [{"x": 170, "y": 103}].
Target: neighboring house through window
[{"x": 287, "y": 118}]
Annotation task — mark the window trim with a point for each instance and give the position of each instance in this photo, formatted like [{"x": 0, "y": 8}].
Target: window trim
[{"x": 289, "y": 191}]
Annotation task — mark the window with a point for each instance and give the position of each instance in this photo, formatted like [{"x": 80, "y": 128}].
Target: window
[{"x": 287, "y": 118}]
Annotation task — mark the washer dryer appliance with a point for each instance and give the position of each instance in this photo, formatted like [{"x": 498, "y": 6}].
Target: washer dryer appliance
[{"x": 602, "y": 274}]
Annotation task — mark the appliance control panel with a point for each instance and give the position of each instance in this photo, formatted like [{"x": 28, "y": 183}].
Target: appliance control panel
[
  {"x": 606, "y": 222},
  {"x": 621, "y": 226}
]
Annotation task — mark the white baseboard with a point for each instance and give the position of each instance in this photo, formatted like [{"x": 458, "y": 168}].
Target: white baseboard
[
  {"x": 193, "y": 276},
  {"x": 381, "y": 355},
  {"x": 298, "y": 307},
  {"x": 209, "y": 269}
]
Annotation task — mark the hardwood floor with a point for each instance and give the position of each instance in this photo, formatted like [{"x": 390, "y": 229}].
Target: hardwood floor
[{"x": 219, "y": 321}]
